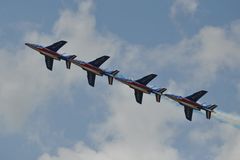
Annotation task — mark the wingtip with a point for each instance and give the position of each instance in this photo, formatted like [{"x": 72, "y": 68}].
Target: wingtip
[
  {"x": 139, "y": 102},
  {"x": 106, "y": 56},
  {"x": 204, "y": 91},
  {"x": 63, "y": 41},
  {"x": 155, "y": 75}
]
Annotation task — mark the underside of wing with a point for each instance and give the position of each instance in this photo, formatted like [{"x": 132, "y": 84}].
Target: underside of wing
[
  {"x": 138, "y": 96},
  {"x": 91, "y": 78},
  {"x": 99, "y": 61},
  {"x": 49, "y": 62},
  {"x": 56, "y": 46},
  {"x": 188, "y": 113},
  {"x": 196, "y": 96},
  {"x": 145, "y": 80}
]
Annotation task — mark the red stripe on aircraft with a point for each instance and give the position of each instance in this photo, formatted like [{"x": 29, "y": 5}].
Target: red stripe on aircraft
[
  {"x": 185, "y": 100},
  {"x": 144, "y": 88},
  {"x": 91, "y": 67},
  {"x": 55, "y": 54}
]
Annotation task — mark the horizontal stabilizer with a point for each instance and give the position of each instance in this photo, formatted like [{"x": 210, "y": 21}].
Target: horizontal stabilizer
[
  {"x": 111, "y": 75},
  {"x": 69, "y": 59},
  {"x": 159, "y": 93},
  {"x": 209, "y": 110},
  {"x": 212, "y": 107}
]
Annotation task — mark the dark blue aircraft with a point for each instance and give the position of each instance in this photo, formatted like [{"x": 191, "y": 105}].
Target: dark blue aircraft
[
  {"x": 50, "y": 53},
  {"x": 140, "y": 86},
  {"x": 190, "y": 104}
]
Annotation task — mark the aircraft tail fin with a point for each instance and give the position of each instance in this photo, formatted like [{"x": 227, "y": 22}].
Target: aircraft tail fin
[
  {"x": 209, "y": 110},
  {"x": 68, "y": 60},
  {"x": 158, "y": 93},
  {"x": 111, "y": 75}
]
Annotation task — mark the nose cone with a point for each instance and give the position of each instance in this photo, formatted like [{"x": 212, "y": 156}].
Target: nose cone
[
  {"x": 33, "y": 46},
  {"x": 29, "y": 45}
]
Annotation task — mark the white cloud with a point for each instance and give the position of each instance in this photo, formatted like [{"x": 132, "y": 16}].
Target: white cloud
[
  {"x": 230, "y": 148},
  {"x": 24, "y": 87},
  {"x": 79, "y": 28},
  {"x": 183, "y": 6},
  {"x": 134, "y": 131},
  {"x": 201, "y": 58},
  {"x": 219, "y": 141},
  {"x": 130, "y": 132}
]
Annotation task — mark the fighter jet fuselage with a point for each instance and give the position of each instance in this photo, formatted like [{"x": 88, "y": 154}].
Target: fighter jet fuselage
[
  {"x": 44, "y": 51},
  {"x": 140, "y": 86},
  {"x": 88, "y": 67},
  {"x": 190, "y": 104},
  {"x": 92, "y": 68},
  {"x": 50, "y": 53},
  {"x": 135, "y": 85}
]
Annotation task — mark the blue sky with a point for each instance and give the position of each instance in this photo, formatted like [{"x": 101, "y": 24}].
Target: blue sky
[{"x": 190, "y": 44}]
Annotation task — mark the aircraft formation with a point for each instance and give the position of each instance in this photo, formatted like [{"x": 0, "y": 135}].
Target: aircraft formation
[{"x": 139, "y": 86}]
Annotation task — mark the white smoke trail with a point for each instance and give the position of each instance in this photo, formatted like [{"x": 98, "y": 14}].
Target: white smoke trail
[
  {"x": 224, "y": 117},
  {"x": 227, "y": 118}
]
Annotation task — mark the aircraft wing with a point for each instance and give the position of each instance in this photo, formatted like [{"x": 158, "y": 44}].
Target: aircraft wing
[
  {"x": 56, "y": 46},
  {"x": 91, "y": 78},
  {"x": 138, "y": 96},
  {"x": 99, "y": 61},
  {"x": 188, "y": 113},
  {"x": 145, "y": 80},
  {"x": 49, "y": 62},
  {"x": 196, "y": 96}
]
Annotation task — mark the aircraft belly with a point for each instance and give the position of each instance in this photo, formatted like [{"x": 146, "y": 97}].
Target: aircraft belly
[
  {"x": 50, "y": 55},
  {"x": 92, "y": 70},
  {"x": 140, "y": 89},
  {"x": 124, "y": 82},
  {"x": 190, "y": 105}
]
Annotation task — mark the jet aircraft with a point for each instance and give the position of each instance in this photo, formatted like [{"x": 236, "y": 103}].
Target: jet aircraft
[
  {"x": 139, "y": 86},
  {"x": 50, "y": 53},
  {"x": 190, "y": 104},
  {"x": 93, "y": 69}
]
